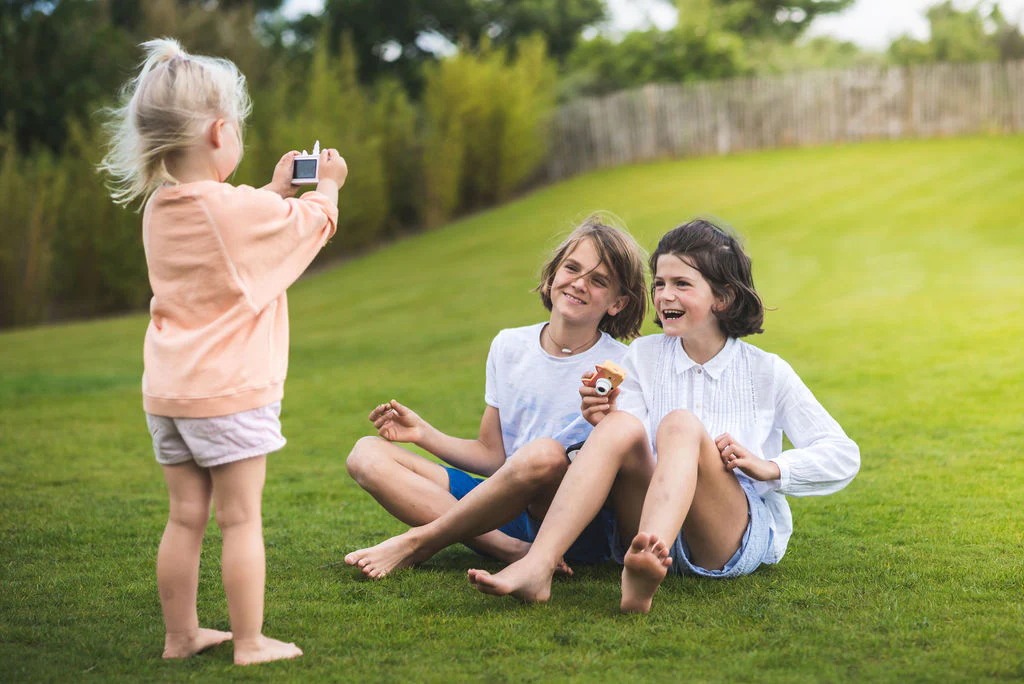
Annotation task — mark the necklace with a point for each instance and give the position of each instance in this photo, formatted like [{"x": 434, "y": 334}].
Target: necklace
[{"x": 566, "y": 350}]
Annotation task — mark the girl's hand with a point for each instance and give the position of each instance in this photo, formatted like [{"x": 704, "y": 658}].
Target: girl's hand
[
  {"x": 281, "y": 183},
  {"x": 735, "y": 455},
  {"x": 397, "y": 423},
  {"x": 333, "y": 167},
  {"x": 594, "y": 406}
]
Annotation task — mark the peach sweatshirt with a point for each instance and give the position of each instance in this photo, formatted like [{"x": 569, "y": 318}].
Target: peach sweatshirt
[{"x": 220, "y": 259}]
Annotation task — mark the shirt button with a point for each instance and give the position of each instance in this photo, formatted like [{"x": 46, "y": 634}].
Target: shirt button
[
  {"x": 698, "y": 405},
  {"x": 699, "y": 371}
]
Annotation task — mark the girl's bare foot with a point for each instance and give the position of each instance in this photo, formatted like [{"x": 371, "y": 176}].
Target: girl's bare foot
[
  {"x": 391, "y": 554},
  {"x": 646, "y": 564},
  {"x": 263, "y": 650},
  {"x": 524, "y": 581},
  {"x": 187, "y": 645}
]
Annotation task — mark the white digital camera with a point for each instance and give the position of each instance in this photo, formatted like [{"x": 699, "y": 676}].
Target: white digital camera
[{"x": 306, "y": 167}]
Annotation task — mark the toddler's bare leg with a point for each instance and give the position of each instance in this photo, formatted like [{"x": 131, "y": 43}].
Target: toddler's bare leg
[
  {"x": 237, "y": 494},
  {"x": 690, "y": 490},
  {"x": 415, "y": 491},
  {"x": 177, "y": 561},
  {"x": 529, "y": 478},
  {"x": 616, "y": 459}
]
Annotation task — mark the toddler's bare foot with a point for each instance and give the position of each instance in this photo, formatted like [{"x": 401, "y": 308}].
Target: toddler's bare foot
[
  {"x": 646, "y": 564},
  {"x": 187, "y": 645},
  {"x": 263, "y": 650},
  {"x": 391, "y": 554},
  {"x": 524, "y": 580}
]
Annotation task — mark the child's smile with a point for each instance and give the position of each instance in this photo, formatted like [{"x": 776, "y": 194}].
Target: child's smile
[{"x": 683, "y": 299}]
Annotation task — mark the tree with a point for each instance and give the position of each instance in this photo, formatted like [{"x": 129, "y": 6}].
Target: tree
[
  {"x": 782, "y": 20},
  {"x": 956, "y": 36}
]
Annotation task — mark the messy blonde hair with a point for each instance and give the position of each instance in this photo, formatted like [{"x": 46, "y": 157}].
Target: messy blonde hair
[
  {"x": 623, "y": 257},
  {"x": 164, "y": 110}
]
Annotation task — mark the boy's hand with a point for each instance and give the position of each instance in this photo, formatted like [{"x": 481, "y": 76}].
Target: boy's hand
[
  {"x": 333, "y": 167},
  {"x": 594, "y": 406},
  {"x": 281, "y": 183},
  {"x": 735, "y": 455},
  {"x": 397, "y": 423}
]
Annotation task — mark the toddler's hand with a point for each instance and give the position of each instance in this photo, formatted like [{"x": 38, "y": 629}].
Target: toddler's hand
[
  {"x": 735, "y": 455},
  {"x": 595, "y": 406},
  {"x": 333, "y": 167},
  {"x": 281, "y": 183}
]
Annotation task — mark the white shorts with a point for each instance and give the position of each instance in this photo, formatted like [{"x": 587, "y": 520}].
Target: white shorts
[{"x": 216, "y": 441}]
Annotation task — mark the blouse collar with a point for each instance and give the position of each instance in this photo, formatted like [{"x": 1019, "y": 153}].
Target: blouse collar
[{"x": 715, "y": 367}]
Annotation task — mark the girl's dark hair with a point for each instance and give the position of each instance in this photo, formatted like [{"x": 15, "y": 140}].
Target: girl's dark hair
[
  {"x": 720, "y": 258},
  {"x": 623, "y": 257}
]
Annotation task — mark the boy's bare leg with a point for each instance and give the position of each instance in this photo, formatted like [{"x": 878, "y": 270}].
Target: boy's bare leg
[
  {"x": 177, "y": 561},
  {"x": 415, "y": 491},
  {"x": 237, "y": 495},
  {"x": 529, "y": 478},
  {"x": 690, "y": 490},
  {"x": 616, "y": 459}
]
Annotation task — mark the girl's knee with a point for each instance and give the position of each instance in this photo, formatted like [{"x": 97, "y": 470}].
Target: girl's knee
[
  {"x": 540, "y": 462},
  {"x": 192, "y": 515},
  {"x": 230, "y": 515},
  {"x": 361, "y": 461},
  {"x": 680, "y": 422},
  {"x": 623, "y": 427}
]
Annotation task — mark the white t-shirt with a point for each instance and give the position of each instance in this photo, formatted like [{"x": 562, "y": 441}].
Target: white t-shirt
[
  {"x": 536, "y": 394},
  {"x": 754, "y": 396}
]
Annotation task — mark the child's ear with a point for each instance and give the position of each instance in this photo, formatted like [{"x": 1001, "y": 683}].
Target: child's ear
[
  {"x": 724, "y": 301},
  {"x": 618, "y": 305},
  {"x": 216, "y": 134}
]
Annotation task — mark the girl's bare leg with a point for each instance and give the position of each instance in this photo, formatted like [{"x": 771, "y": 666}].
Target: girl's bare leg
[
  {"x": 690, "y": 490},
  {"x": 529, "y": 478},
  {"x": 415, "y": 491},
  {"x": 616, "y": 460},
  {"x": 237, "y": 495},
  {"x": 177, "y": 561}
]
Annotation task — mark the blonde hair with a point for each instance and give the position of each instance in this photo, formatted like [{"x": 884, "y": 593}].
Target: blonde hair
[
  {"x": 623, "y": 257},
  {"x": 164, "y": 110}
]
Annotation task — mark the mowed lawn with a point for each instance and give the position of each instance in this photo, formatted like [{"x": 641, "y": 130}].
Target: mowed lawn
[{"x": 894, "y": 273}]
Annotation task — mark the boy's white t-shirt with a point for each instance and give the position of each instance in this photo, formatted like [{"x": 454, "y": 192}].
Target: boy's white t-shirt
[{"x": 536, "y": 394}]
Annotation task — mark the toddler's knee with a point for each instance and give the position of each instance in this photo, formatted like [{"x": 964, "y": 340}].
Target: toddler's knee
[
  {"x": 540, "y": 462},
  {"x": 360, "y": 463},
  {"x": 192, "y": 516},
  {"x": 235, "y": 515}
]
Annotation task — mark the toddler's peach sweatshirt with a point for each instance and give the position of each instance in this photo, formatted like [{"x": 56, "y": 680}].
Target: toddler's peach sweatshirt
[{"x": 220, "y": 258}]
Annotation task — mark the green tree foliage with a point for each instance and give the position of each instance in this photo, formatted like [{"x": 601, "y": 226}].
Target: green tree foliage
[
  {"x": 394, "y": 122},
  {"x": 783, "y": 20},
  {"x": 968, "y": 35},
  {"x": 484, "y": 132}
]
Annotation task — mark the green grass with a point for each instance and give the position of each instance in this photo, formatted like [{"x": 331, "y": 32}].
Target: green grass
[{"x": 894, "y": 271}]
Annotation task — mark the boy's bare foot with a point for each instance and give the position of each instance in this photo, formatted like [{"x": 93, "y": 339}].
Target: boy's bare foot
[
  {"x": 263, "y": 650},
  {"x": 521, "y": 579},
  {"x": 185, "y": 646},
  {"x": 646, "y": 564},
  {"x": 391, "y": 554}
]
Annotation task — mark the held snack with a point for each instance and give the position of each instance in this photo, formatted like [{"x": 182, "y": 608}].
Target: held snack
[{"x": 608, "y": 377}]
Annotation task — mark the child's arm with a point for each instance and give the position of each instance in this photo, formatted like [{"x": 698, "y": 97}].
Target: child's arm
[
  {"x": 824, "y": 459},
  {"x": 481, "y": 456}
]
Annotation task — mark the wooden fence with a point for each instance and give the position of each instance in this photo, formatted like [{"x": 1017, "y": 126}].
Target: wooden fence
[{"x": 813, "y": 108}]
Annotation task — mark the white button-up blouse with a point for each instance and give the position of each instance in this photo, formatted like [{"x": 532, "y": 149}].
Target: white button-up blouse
[{"x": 754, "y": 396}]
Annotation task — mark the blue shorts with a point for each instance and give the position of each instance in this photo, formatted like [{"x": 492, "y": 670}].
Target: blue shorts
[
  {"x": 592, "y": 546},
  {"x": 754, "y": 547}
]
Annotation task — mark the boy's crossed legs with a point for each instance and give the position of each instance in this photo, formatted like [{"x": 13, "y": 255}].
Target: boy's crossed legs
[
  {"x": 689, "y": 488},
  {"x": 416, "y": 491},
  {"x": 237, "y": 490}
]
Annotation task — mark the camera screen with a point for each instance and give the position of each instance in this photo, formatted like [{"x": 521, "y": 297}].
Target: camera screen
[{"x": 304, "y": 168}]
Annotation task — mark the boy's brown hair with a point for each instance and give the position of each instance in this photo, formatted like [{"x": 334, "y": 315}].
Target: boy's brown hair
[
  {"x": 623, "y": 257},
  {"x": 721, "y": 260}
]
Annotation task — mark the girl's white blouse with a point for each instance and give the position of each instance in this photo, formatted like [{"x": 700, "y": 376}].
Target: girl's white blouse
[{"x": 754, "y": 396}]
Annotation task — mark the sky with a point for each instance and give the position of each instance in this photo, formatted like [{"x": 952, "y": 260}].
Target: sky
[{"x": 872, "y": 24}]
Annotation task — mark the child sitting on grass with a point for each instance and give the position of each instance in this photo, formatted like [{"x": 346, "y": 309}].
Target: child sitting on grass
[
  {"x": 593, "y": 287},
  {"x": 703, "y": 505},
  {"x": 216, "y": 351}
]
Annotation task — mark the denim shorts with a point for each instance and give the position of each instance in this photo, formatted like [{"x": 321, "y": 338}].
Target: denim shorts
[
  {"x": 216, "y": 441},
  {"x": 755, "y": 547},
  {"x": 591, "y": 547}
]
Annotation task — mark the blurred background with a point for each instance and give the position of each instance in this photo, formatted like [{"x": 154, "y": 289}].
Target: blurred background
[{"x": 444, "y": 107}]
